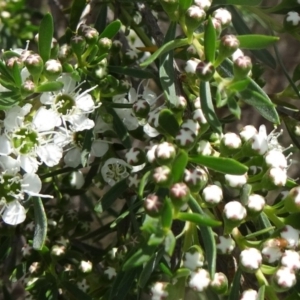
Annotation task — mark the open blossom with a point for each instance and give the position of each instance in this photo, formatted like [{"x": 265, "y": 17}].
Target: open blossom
[{"x": 72, "y": 107}]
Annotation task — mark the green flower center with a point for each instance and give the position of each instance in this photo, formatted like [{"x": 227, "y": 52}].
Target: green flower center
[
  {"x": 10, "y": 187},
  {"x": 25, "y": 140},
  {"x": 64, "y": 104}
]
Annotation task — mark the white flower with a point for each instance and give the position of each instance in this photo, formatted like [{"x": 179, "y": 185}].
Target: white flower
[
  {"x": 165, "y": 150},
  {"x": 85, "y": 266},
  {"x": 251, "y": 259},
  {"x": 291, "y": 235},
  {"x": 58, "y": 250},
  {"x": 193, "y": 261},
  {"x": 232, "y": 140},
  {"x": 191, "y": 125},
  {"x": 158, "y": 291},
  {"x": 185, "y": 137},
  {"x": 83, "y": 285},
  {"x": 114, "y": 170},
  {"x": 234, "y": 210},
  {"x": 259, "y": 141},
  {"x": 212, "y": 194},
  {"x": 275, "y": 159},
  {"x": 204, "y": 148},
  {"x": 225, "y": 244},
  {"x": 236, "y": 54},
  {"x": 293, "y": 17},
  {"x": 110, "y": 272},
  {"x": 199, "y": 280},
  {"x": 71, "y": 106},
  {"x": 271, "y": 253}
]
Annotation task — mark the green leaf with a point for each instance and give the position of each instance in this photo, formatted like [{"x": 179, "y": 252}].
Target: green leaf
[
  {"x": 139, "y": 257},
  {"x": 210, "y": 41},
  {"x": 235, "y": 288},
  {"x": 75, "y": 291},
  {"x": 45, "y": 37},
  {"x": 185, "y": 4},
  {"x": 241, "y": 28},
  {"x": 164, "y": 49},
  {"x": 208, "y": 107},
  {"x": 198, "y": 219},
  {"x": 238, "y": 86},
  {"x": 219, "y": 164},
  {"x": 50, "y": 86},
  {"x": 120, "y": 128},
  {"x": 143, "y": 183},
  {"x": 166, "y": 68},
  {"x": 100, "y": 23},
  {"x": 150, "y": 267},
  {"x": 168, "y": 122},
  {"x": 207, "y": 237},
  {"x": 5, "y": 72},
  {"x": 179, "y": 165},
  {"x": 237, "y": 2},
  {"x": 111, "y": 195},
  {"x": 40, "y": 224},
  {"x": 234, "y": 107},
  {"x": 76, "y": 12},
  {"x": 170, "y": 243},
  {"x": 167, "y": 214},
  {"x": 291, "y": 124},
  {"x": 111, "y": 30},
  {"x": 17, "y": 75},
  {"x": 136, "y": 73},
  {"x": 293, "y": 220},
  {"x": 8, "y": 99},
  {"x": 256, "y": 41},
  {"x": 283, "y": 7},
  {"x": 122, "y": 284}
]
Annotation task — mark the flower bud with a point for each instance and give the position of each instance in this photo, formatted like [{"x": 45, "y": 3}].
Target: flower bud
[
  {"x": 291, "y": 235},
  {"x": 241, "y": 67},
  {"x": 275, "y": 159},
  {"x": 233, "y": 214},
  {"x": 219, "y": 284},
  {"x": 34, "y": 65},
  {"x": 228, "y": 45},
  {"x": 171, "y": 8},
  {"x": 78, "y": 45},
  {"x": 91, "y": 35},
  {"x": 249, "y": 295},
  {"x": 283, "y": 279},
  {"x": 203, "y": 4},
  {"x": 52, "y": 69},
  {"x": 195, "y": 178},
  {"x": 199, "y": 280},
  {"x": 236, "y": 181},
  {"x": 159, "y": 290},
  {"x": 223, "y": 15},
  {"x": 12, "y": 60},
  {"x": 255, "y": 205},
  {"x": 274, "y": 177},
  {"x": 85, "y": 266},
  {"x": 194, "y": 16},
  {"x": 212, "y": 195},
  {"x": 250, "y": 260},
  {"x": 291, "y": 260},
  {"x": 179, "y": 194},
  {"x": 230, "y": 143},
  {"x": 205, "y": 70},
  {"x": 180, "y": 105},
  {"x": 162, "y": 176},
  {"x": 153, "y": 205},
  {"x": 185, "y": 138},
  {"x": 191, "y": 66},
  {"x": 271, "y": 250},
  {"x": 165, "y": 153},
  {"x": 204, "y": 148},
  {"x": 292, "y": 200},
  {"x": 141, "y": 108},
  {"x": 104, "y": 44},
  {"x": 27, "y": 88}
]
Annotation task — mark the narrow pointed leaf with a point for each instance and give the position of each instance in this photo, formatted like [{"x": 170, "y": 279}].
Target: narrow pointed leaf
[
  {"x": 291, "y": 124},
  {"x": 237, "y": 2},
  {"x": 139, "y": 257},
  {"x": 17, "y": 75},
  {"x": 40, "y": 224},
  {"x": 207, "y": 237},
  {"x": 166, "y": 68},
  {"x": 235, "y": 288},
  {"x": 168, "y": 122},
  {"x": 261, "y": 293},
  {"x": 256, "y": 41},
  {"x": 45, "y": 37},
  {"x": 50, "y": 86},
  {"x": 76, "y": 12},
  {"x": 220, "y": 164},
  {"x": 179, "y": 165},
  {"x": 197, "y": 219},
  {"x": 210, "y": 41},
  {"x": 75, "y": 291},
  {"x": 185, "y": 4},
  {"x": 111, "y": 30},
  {"x": 86, "y": 147},
  {"x": 111, "y": 196},
  {"x": 137, "y": 73},
  {"x": 208, "y": 107},
  {"x": 164, "y": 49}
]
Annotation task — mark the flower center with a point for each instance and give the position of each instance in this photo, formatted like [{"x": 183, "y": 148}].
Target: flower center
[
  {"x": 64, "y": 104},
  {"x": 25, "y": 140},
  {"x": 116, "y": 171},
  {"x": 10, "y": 188}
]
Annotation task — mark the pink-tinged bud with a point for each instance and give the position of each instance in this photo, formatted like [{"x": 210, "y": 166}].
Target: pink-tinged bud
[
  {"x": 199, "y": 116},
  {"x": 159, "y": 290},
  {"x": 234, "y": 214},
  {"x": 179, "y": 194},
  {"x": 91, "y": 35},
  {"x": 185, "y": 138},
  {"x": 275, "y": 177},
  {"x": 249, "y": 295},
  {"x": 78, "y": 45},
  {"x": 162, "y": 176},
  {"x": 283, "y": 279},
  {"x": 223, "y": 15},
  {"x": 204, "y": 148},
  {"x": 104, "y": 44},
  {"x": 191, "y": 125},
  {"x": 195, "y": 178},
  {"x": 275, "y": 159},
  {"x": 27, "y": 88},
  {"x": 171, "y": 8},
  {"x": 236, "y": 181},
  {"x": 219, "y": 284},
  {"x": 212, "y": 195},
  {"x": 248, "y": 132},
  {"x": 205, "y": 70},
  {"x": 241, "y": 67},
  {"x": 153, "y": 205},
  {"x": 292, "y": 200},
  {"x": 271, "y": 251},
  {"x": 52, "y": 69},
  {"x": 204, "y": 4},
  {"x": 12, "y": 60},
  {"x": 194, "y": 16},
  {"x": 291, "y": 260},
  {"x": 165, "y": 153},
  {"x": 250, "y": 260},
  {"x": 230, "y": 143},
  {"x": 228, "y": 45},
  {"x": 34, "y": 64},
  {"x": 255, "y": 205}
]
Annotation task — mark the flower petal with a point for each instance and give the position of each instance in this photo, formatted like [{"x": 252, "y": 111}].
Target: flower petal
[{"x": 14, "y": 213}]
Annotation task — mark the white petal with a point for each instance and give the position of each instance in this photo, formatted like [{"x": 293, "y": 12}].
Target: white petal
[
  {"x": 29, "y": 164},
  {"x": 77, "y": 179},
  {"x": 150, "y": 131},
  {"x": 10, "y": 165},
  {"x": 132, "y": 95},
  {"x": 80, "y": 122},
  {"x": 5, "y": 146},
  {"x": 45, "y": 119},
  {"x": 99, "y": 148},
  {"x": 31, "y": 184},
  {"x": 102, "y": 126},
  {"x": 62, "y": 139},
  {"x": 50, "y": 154},
  {"x": 24, "y": 74},
  {"x": 73, "y": 158},
  {"x": 47, "y": 98},
  {"x": 85, "y": 103},
  {"x": 69, "y": 83},
  {"x": 14, "y": 213}
]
